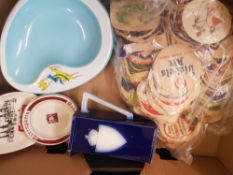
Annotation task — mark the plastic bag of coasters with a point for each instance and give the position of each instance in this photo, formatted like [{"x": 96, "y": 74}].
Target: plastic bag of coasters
[{"x": 177, "y": 73}]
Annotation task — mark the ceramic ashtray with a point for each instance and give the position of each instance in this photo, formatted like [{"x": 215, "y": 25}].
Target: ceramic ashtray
[
  {"x": 47, "y": 119},
  {"x": 53, "y": 46}
]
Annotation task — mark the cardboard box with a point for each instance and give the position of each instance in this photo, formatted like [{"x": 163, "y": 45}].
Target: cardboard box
[{"x": 213, "y": 157}]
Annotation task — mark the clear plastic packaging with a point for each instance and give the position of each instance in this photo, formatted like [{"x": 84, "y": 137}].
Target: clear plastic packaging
[{"x": 173, "y": 63}]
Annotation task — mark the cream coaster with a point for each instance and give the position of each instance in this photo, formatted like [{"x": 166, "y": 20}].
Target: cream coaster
[
  {"x": 135, "y": 15},
  {"x": 206, "y": 22},
  {"x": 177, "y": 73}
]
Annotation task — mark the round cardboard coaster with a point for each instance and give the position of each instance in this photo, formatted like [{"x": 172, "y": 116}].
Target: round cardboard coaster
[
  {"x": 215, "y": 99},
  {"x": 155, "y": 104},
  {"x": 12, "y": 136},
  {"x": 145, "y": 105},
  {"x": 180, "y": 132},
  {"x": 135, "y": 72},
  {"x": 136, "y": 15},
  {"x": 159, "y": 93},
  {"x": 216, "y": 80},
  {"x": 214, "y": 112},
  {"x": 218, "y": 95},
  {"x": 47, "y": 119},
  {"x": 176, "y": 29},
  {"x": 206, "y": 22},
  {"x": 173, "y": 105},
  {"x": 140, "y": 36},
  {"x": 219, "y": 69},
  {"x": 127, "y": 91},
  {"x": 177, "y": 73}
]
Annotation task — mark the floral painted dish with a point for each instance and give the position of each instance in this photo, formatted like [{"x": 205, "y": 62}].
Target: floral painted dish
[{"x": 53, "y": 46}]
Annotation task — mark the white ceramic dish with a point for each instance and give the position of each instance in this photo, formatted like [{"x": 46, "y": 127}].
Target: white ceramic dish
[
  {"x": 47, "y": 119},
  {"x": 12, "y": 136},
  {"x": 56, "y": 45}
]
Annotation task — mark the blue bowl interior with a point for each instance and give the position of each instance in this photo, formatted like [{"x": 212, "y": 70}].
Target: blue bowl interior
[{"x": 46, "y": 32}]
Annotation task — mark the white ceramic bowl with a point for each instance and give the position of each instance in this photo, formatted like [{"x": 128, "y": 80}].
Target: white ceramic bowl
[{"x": 53, "y": 46}]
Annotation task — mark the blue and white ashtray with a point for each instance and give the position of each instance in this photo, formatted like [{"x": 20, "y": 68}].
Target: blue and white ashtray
[
  {"x": 50, "y": 46},
  {"x": 111, "y": 134},
  {"x": 125, "y": 139}
]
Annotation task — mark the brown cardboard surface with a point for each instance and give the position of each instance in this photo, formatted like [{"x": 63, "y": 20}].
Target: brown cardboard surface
[
  {"x": 225, "y": 151},
  {"x": 200, "y": 166},
  {"x": 35, "y": 161},
  {"x": 204, "y": 149}
]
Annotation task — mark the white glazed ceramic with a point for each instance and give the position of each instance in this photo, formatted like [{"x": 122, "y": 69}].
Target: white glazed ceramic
[
  {"x": 47, "y": 119},
  {"x": 53, "y": 46},
  {"x": 12, "y": 136}
]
